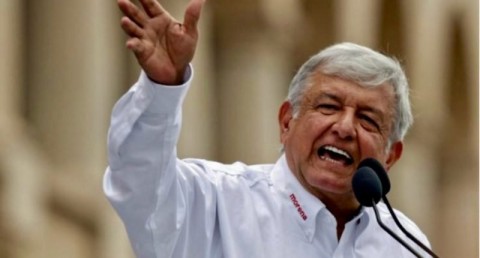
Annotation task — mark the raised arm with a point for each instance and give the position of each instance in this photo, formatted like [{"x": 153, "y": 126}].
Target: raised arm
[
  {"x": 141, "y": 181},
  {"x": 163, "y": 46}
]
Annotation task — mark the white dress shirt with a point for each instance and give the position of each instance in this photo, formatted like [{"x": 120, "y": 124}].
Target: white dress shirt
[{"x": 195, "y": 208}]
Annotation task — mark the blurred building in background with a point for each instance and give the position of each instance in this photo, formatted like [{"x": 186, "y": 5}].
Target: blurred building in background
[{"x": 63, "y": 65}]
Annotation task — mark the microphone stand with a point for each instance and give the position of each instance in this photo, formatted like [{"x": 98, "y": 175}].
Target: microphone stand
[
  {"x": 385, "y": 200},
  {"x": 391, "y": 233},
  {"x": 378, "y": 168}
]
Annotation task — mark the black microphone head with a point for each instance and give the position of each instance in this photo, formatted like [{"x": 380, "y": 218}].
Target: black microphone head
[
  {"x": 366, "y": 186},
  {"x": 378, "y": 168}
]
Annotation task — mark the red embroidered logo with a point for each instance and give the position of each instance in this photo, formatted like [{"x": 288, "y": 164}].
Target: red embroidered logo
[{"x": 298, "y": 206}]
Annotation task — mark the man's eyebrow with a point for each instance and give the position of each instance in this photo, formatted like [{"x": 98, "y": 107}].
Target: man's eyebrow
[
  {"x": 326, "y": 95},
  {"x": 367, "y": 108}
]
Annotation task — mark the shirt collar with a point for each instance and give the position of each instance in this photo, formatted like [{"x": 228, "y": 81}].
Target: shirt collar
[{"x": 304, "y": 206}]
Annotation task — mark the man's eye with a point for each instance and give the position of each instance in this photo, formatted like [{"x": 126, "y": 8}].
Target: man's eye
[
  {"x": 328, "y": 107},
  {"x": 370, "y": 121}
]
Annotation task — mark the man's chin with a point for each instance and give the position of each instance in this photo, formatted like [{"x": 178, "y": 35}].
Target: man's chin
[{"x": 331, "y": 186}]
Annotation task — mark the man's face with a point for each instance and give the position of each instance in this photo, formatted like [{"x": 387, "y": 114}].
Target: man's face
[{"x": 339, "y": 124}]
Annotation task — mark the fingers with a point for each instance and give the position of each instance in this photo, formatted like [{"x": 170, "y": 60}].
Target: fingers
[
  {"x": 136, "y": 46},
  {"x": 132, "y": 12},
  {"x": 152, "y": 7},
  {"x": 192, "y": 15},
  {"x": 131, "y": 28}
]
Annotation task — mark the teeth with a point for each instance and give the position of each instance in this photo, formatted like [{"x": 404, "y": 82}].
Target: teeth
[
  {"x": 338, "y": 151},
  {"x": 329, "y": 159}
]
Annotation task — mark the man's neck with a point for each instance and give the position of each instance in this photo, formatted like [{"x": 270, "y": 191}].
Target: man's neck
[{"x": 343, "y": 210}]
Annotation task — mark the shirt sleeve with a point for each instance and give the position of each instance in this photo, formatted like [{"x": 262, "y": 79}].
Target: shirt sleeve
[{"x": 142, "y": 171}]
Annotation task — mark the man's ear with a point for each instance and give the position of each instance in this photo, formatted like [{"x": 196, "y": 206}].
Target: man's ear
[
  {"x": 394, "y": 154},
  {"x": 285, "y": 114}
]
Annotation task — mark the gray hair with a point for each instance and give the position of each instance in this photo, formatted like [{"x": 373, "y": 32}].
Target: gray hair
[{"x": 362, "y": 66}]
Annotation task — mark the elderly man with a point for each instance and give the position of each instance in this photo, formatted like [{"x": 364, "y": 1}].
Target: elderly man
[{"x": 345, "y": 104}]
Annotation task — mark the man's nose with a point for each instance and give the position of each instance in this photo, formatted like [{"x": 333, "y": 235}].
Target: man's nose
[{"x": 344, "y": 126}]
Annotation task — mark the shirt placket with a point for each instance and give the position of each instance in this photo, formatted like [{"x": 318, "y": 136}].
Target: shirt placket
[{"x": 346, "y": 244}]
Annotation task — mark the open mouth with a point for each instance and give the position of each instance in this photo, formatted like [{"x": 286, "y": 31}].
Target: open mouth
[{"x": 331, "y": 153}]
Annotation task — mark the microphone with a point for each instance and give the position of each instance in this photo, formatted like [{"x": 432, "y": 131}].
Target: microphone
[
  {"x": 380, "y": 171},
  {"x": 377, "y": 167},
  {"x": 367, "y": 187},
  {"x": 368, "y": 191}
]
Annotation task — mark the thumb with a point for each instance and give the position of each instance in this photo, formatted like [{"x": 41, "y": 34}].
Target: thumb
[{"x": 192, "y": 15}]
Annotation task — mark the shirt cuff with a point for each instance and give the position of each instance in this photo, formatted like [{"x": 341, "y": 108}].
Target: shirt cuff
[{"x": 163, "y": 98}]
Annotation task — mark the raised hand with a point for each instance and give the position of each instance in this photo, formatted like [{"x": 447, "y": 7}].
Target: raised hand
[{"x": 163, "y": 46}]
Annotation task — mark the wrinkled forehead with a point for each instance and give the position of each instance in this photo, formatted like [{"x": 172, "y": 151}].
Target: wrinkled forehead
[
  {"x": 334, "y": 87},
  {"x": 319, "y": 75}
]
